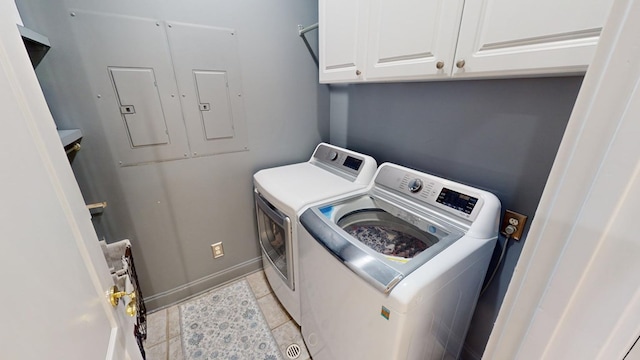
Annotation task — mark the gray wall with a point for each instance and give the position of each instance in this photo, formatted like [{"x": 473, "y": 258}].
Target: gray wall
[
  {"x": 172, "y": 211},
  {"x": 498, "y": 135}
]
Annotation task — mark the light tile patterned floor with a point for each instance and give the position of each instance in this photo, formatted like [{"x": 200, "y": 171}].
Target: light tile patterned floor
[{"x": 163, "y": 327}]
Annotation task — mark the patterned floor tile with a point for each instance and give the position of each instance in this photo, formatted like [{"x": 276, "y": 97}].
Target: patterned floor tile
[
  {"x": 175, "y": 349},
  {"x": 156, "y": 328},
  {"x": 173, "y": 319},
  {"x": 156, "y": 352},
  {"x": 273, "y": 311},
  {"x": 259, "y": 284},
  {"x": 287, "y": 334}
]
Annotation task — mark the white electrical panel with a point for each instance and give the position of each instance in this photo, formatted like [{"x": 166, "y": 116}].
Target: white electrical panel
[
  {"x": 170, "y": 91},
  {"x": 140, "y": 106},
  {"x": 214, "y": 105},
  {"x": 207, "y": 68},
  {"x": 128, "y": 63}
]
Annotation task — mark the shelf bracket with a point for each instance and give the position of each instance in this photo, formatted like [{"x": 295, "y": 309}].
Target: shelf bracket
[{"x": 303, "y": 30}]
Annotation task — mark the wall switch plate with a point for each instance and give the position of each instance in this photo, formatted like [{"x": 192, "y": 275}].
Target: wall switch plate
[
  {"x": 217, "y": 250},
  {"x": 515, "y": 222}
]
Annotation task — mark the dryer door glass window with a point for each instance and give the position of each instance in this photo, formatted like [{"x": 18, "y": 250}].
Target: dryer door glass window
[{"x": 275, "y": 238}]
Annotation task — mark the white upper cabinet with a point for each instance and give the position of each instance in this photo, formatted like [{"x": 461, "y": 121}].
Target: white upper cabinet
[
  {"x": 342, "y": 35},
  {"x": 528, "y": 37},
  {"x": 385, "y": 40},
  {"x": 412, "y": 39}
]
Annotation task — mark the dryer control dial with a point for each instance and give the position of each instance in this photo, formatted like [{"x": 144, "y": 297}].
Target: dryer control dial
[
  {"x": 415, "y": 185},
  {"x": 333, "y": 155}
]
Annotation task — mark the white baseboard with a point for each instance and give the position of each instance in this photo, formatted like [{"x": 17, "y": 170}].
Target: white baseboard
[{"x": 196, "y": 287}]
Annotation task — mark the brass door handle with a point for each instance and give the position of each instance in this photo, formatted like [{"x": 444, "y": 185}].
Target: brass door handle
[{"x": 114, "y": 299}]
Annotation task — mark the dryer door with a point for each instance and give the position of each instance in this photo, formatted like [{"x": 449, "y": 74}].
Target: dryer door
[{"x": 274, "y": 233}]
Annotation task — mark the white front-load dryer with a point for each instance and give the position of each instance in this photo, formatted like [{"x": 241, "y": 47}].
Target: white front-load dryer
[
  {"x": 281, "y": 193},
  {"x": 394, "y": 272}
]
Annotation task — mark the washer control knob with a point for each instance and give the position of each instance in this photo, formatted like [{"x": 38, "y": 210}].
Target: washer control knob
[
  {"x": 333, "y": 155},
  {"x": 415, "y": 185}
]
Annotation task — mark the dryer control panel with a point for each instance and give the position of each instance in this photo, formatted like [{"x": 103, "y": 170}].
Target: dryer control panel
[{"x": 344, "y": 162}]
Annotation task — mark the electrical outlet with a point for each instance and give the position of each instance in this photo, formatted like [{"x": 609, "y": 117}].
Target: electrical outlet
[
  {"x": 217, "y": 250},
  {"x": 513, "y": 224}
]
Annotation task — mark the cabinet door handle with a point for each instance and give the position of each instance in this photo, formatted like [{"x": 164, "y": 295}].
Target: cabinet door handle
[
  {"x": 358, "y": 72},
  {"x": 460, "y": 64},
  {"x": 439, "y": 65}
]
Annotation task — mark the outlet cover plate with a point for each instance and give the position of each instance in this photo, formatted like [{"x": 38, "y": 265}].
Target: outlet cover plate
[
  {"x": 515, "y": 219},
  {"x": 217, "y": 250}
]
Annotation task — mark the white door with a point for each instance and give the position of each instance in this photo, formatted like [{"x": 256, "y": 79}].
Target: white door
[
  {"x": 503, "y": 37},
  {"x": 575, "y": 292},
  {"x": 55, "y": 278},
  {"x": 634, "y": 353},
  {"x": 412, "y": 39}
]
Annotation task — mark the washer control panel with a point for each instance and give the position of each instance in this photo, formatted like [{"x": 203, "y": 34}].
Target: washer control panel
[
  {"x": 452, "y": 197},
  {"x": 415, "y": 185},
  {"x": 456, "y": 200}
]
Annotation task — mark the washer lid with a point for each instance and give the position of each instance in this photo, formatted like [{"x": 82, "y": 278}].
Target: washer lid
[
  {"x": 386, "y": 234},
  {"x": 379, "y": 228}
]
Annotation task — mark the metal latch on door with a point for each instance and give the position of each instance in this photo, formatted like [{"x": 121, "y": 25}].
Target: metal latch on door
[{"x": 127, "y": 109}]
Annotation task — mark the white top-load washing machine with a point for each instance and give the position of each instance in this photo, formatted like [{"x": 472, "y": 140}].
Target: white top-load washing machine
[
  {"x": 282, "y": 192},
  {"x": 395, "y": 271}
]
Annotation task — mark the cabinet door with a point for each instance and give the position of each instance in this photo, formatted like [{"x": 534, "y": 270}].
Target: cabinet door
[
  {"x": 412, "y": 39},
  {"x": 528, "y": 37},
  {"x": 342, "y": 31}
]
